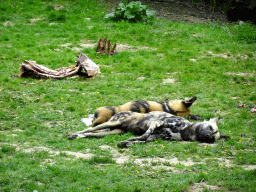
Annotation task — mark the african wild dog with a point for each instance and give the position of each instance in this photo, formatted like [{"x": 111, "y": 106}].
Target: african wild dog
[
  {"x": 175, "y": 107},
  {"x": 152, "y": 126}
]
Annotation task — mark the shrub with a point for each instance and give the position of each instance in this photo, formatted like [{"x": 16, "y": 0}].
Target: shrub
[{"x": 133, "y": 12}]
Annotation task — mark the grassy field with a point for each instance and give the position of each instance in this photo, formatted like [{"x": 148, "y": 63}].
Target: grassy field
[{"x": 214, "y": 62}]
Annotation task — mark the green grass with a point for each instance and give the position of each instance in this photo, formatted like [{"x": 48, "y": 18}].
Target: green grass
[{"x": 38, "y": 113}]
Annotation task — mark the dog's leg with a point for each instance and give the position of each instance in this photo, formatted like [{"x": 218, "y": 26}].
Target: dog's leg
[
  {"x": 92, "y": 134},
  {"x": 100, "y": 134},
  {"x": 143, "y": 138},
  {"x": 224, "y": 137},
  {"x": 105, "y": 125},
  {"x": 102, "y": 130},
  {"x": 124, "y": 144},
  {"x": 92, "y": 129},
  {"x": 194, "y": 117},
  {"x": 153, "y": 125}
]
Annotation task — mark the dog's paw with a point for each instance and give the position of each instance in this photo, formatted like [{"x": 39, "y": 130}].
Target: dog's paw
[
  {"x": 194, "y": 117},
  {"x": 123, "y": 144},
  {"x": 71, "y": 136},
  {"x": 224, "y": 137}
]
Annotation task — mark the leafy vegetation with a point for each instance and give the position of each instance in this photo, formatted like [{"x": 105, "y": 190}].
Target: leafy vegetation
[
  {"x": 214, "y": 62},
  {"x": 133, "y": 12}
]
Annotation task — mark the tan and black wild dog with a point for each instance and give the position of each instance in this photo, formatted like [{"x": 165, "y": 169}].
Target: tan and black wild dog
[
  {"x": 152, "y": 126},
  {"x": 175, "y": 107}
]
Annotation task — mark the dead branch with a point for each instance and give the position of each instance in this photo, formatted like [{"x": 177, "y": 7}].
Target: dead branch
[{"x": 101, "y": 48}]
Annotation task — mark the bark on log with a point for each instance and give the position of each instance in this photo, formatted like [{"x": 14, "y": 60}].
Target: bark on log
[{"x": 84, "y": 67}]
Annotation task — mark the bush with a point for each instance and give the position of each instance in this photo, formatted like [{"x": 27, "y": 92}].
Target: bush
[{"x": 133, "y": 12}]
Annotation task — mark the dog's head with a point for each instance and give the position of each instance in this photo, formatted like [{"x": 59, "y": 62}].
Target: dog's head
[
  {"x": 208, "y": 131},
  {"x": 181, "y": 107}
]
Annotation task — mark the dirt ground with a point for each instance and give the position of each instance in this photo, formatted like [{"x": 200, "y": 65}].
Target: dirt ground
[{"x": 182, "y": 10}]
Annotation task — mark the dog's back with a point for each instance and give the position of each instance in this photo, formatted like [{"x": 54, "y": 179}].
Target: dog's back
[{"x": 175, "y": 107}]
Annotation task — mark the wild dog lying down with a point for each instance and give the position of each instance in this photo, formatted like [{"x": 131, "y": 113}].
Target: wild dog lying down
[
  {"x": 175, "y": 107},
  {"x": 152, "y": 126}
]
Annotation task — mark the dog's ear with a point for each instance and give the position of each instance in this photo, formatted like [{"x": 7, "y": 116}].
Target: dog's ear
[
  {"x": 224, "y": 137},
  {"x": 215, "y": 120},
  {"x": 189, "y": 102}
]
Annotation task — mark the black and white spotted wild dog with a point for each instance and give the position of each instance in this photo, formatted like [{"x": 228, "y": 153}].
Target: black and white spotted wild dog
[
  {"x": 176, "y": 107},
  {"x": 152, "y": 126}
]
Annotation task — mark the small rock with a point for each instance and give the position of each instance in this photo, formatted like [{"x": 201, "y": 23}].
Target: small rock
[
  {"x": 193, "y": 60},
  {"x": 141, "y": 78},
  {"x": 253, "y": 110},
  {"x": 235, "y": 98},
  {"x": 169, "y": 81}
]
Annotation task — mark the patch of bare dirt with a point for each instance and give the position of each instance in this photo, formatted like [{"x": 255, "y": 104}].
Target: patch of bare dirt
[
  {"x": 193, "y": 60},
  {"x": 141, "y": 78},
  {"x": 89, "y": 44},
  {"x": 120, "y": 157},
  {"x": 196, "y": 187},
  {"x": 58, "y": 7},
  {"x": 53, "y": 153},
  {"x": 227, "y": 56},
  {"x": 249, "y": 167},
  {"x": 8, "y": 23},
  {"x": 33, "y": 21},
  {"x": 14, "y": 130},
  {"x": 241, "y": 74},
  {"x": 166, "y": 81},
  {"x": 48, "y": 161},
  {"x": 196, "y": 11}
]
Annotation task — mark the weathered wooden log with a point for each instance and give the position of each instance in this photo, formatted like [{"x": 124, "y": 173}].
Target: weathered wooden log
[
  {"x": 84, "y": 67},
  {"x": 86, "y": 64}
]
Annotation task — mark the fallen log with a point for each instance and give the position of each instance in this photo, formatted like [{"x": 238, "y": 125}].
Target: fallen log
[{"x": 84, "y": 67}]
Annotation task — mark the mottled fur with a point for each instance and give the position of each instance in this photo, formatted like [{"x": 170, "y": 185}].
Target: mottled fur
[
  {"x": 152, "y": 126},
  {"x": 175, "y": 107}
]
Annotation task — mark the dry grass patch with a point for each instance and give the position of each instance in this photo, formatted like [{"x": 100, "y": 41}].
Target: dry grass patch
[
  {"x": 33, "y": 21},
  {"x": 141, "y": 78},
  {"x": 241, "y": 74},
  {"x": 202, "y": 186},
  {"x": 119, "y": 47},
  {"x": 226, "y": 56},
  {"x": 58, "y": 7},
  {"x": 249, "y": 167},
  {"x": 166, "y": 81},
  {"x": 54, "y": 153},
  {"x": 8, "y": 23},
  {"x": 48, "y": 162},
  {"x": 121, "y": 158}
]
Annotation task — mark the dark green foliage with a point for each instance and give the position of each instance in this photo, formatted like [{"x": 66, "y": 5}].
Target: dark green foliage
[{"x": 133, "y": 12}]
